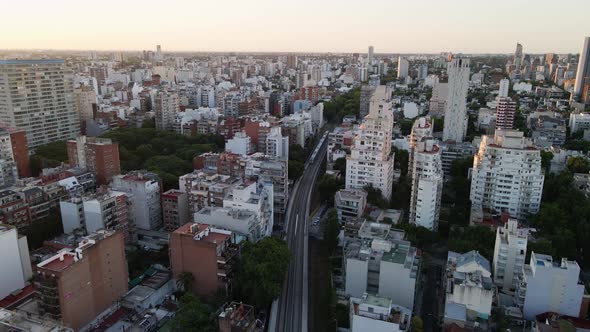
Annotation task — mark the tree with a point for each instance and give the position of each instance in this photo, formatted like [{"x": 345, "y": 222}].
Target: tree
[
  {"x": 546, "y": 157},
  {"x": 192, "y": 315},
  {"x": 417, "y": 324},
  {"x": 44, "y": 229},
  {"x": 331, "y": 230},
  {"x": 295, "y": 169},
  {"x": 185, "y": 281},
  {"x": 328, "y": 186},
  {"x": 480, "y": 238},
  {"x": 374, "y": 197},
  {"x": 340, "y": 165},
  {"x": 578, "y": 165},
  {"x": 261, "y": 271}
]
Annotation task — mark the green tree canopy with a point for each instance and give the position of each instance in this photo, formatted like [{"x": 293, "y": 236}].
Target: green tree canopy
[
  {"x": 192, "y": 315},
  {"x": 262, "y": 270},
  {"x": 331, "y": 230},
  {"x": 578, "y": 165}
]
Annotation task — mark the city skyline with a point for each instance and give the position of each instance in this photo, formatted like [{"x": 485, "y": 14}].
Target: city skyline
[{"x": 425, "y": 26}]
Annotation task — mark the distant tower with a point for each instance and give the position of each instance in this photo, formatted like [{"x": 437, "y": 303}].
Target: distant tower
[
  {"x": 583, "y": 75},
  {"x": 158, "y": 53},
  {"x": 371, "y": 51},
  {"x": 455, "y": 125},
  {"x": 402, "y": 67},
  {"x": 518, "y": 56}
]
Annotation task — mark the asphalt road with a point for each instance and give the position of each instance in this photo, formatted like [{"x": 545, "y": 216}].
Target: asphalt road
[{"x": 292, "y": 305}]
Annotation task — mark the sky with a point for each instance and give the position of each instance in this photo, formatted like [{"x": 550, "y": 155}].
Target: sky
[{"x": 391, "y": 26}]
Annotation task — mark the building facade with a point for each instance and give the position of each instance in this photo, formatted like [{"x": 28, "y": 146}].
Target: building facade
[
  {"x": 370, "y": 162},
  {"x": 509, "y": 255},
  {"x": 427, "y": 183},
  {"x": 39, "y": 99},
  {"x": 76, "y": 285},
  {"x": 507, "y": 175},
  {"x": 455, "y": 125}
]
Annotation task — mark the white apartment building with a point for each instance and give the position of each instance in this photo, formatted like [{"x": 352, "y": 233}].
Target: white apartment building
[
  {"x": 15, "y": 261},
  {"x": 255, "y": 197},
  {"x": 144, "y": 191},
  {"x": 239, "y": 144},
  {"x": 376, "y": 314},
  {"x": 382, "y": 264},
  {"x": 273, "y": 170},
  {"x": 277, "y": 145},
  {"x": 244, "y": 222},
  {"x": 350, "y": 204},
  {"x": 109, "y": 210},
  {"x": 403, "y": 67},
  {"x": 427, "y": 183},
  {"x": 579, "y": 121},
  {"x": 39, "y": 98},
  {"x": 547, "y": 285},
  {"x": 468, "y": 287},
  {"x": 507, "y": 175},
  {"x": 455, "y": 126},
  {"x": 509, "y": 255},
  {"x": 503, "y": 89},
  {"x": 370, "y": 162},
  {"x": 166, "y": 106}
]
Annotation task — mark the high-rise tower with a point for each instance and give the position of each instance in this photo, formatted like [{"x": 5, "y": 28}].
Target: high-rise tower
[{"x": 456, "y": 106}]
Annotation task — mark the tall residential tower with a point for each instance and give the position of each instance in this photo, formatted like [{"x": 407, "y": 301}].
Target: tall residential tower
[
  {"x": 38, "y": 96},
  {"x": 455, "y": 125}
]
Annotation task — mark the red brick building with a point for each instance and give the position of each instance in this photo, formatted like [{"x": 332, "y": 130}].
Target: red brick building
[
  {"x": 207, "y": 254},
  {"x": 98, "y": 155}
]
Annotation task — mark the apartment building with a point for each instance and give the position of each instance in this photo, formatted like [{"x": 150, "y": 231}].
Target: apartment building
[
  {"x": 256, "y": 197},
  {"x": 39, "y": 99},
  {"x": 378, "y": 314},
  {"x": 546, "y": 285},
  {"x": 505, "y": 113},
  {"x": 421, "y": 128},
  {"x": 468, "y": 288},
  {"x": 14, "y": 146},
  {"x": 455, "y": 126},
  {"x": 205, "y": 188},
  {"x": 579, "y": 121},
  {"x": 76, "y": 285},
  {"x": 274, "y": 170},
  {"x": 15, "y": 261},
  {"x": 99, "y": 155},
  {"x": 377, "y": 257},
  {"x": 207, "y": 253},
  {"x": 276, "y": 144},
  {"x": 507, "y": 175},
  {"x": 144, "y": 191},
  {"x": 174, "y": 209},
  {"x": 166, "y": 106},
  {"x": 350, "y": 205},
  {"x": 109, "y": 210},
  {"x": 509, "y": 255},
  {"x": 370, "y": 162},
  {"x": 427, "y": 183}
]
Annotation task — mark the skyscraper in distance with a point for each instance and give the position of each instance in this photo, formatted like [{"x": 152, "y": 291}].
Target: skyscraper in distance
[
  {"x": 583, "y": 74},
  {"x": 371, "y": 51},
  {"x": 158, "y": 52},
  {"x": 403, "y": 67},
  {"x": 455, "y": 125},
  {"x": 518, "y": 56}
]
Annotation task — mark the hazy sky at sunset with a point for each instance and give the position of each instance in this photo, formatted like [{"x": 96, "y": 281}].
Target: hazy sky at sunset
[{"x": 471, "y": 26}]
